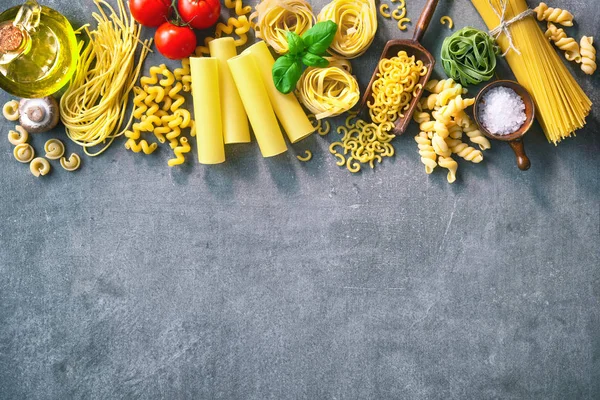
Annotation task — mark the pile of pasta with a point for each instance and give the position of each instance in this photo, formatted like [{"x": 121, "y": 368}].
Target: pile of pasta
[
  {"x": 399, "y": 13},
  {"x": 25, "y": 153},
  {"x": 397, "y": 84},
  {"x": 442, "y": 121},
  {"x": 158, "y": 110},
  {"x": 329, "y": 91},
  {"x": 583, "y": 52},
  {"x": 236, "y": 26}
]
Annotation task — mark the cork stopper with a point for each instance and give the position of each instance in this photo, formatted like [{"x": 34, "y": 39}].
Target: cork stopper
[{"x": 10, "y": 38}]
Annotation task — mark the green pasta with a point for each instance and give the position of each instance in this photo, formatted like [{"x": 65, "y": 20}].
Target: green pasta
[{"x": 469, "y": 56}]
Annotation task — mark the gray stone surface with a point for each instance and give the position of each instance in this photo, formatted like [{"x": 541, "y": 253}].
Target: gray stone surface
[{"x": 274, "y": 279}]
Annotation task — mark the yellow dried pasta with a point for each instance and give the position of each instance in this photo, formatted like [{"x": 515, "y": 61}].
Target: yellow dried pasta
[
  {"x": 39, "y": 166},
  {"x": 307, "y": 156},
  {"x": 23, "y": 153},
  {"x": 180, "y": 152},
  {"x": 238, "y": 6},
  {"x": 10, "y": 110},
  {"x": 72, "y": 163},
  {"x": 446, "y": 19},
  {"x": 588, "y": 55},
  {"x": 557, "y": 15},
  {"x": 18, "y": 136},
  {"x": 384, "y": 10}
]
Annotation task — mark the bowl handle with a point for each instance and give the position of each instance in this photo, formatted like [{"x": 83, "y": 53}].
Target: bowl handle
[
  {"x": 519, "y": 148},
  {"x": 424, "y": 19}
]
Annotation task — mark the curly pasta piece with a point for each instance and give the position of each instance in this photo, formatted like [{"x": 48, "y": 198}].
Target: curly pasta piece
[
  {"x": 169, "y": 78},
  {"x": 557, "y": 15},
  {"x": 465, "y": 151},
  {"x": 384, "y": 10},
  {"x": 399, "y": 13},
  {"x": 402, "y": 23},
  {"x": 421, "y": 116},
  {"x": 588, "y": 55},
  {"x": 306, "y": 157},
  {"x": 275, "y": 17},
  {"x": 426, "y": 151},
  {"x": 437, "y": 86},
  {"x": 39, "y": 166},
  {"x": 18, "y": 136},
  {"x": 563, "y": 42},
  {"x": 72, "y": 163},
  {"x": 327, "y": 92},
  {"x": 141, "y": 146},
  {"x": 54, "y": 149},
  {"x": 475, "y": 135},
  {"x": 450, "y": 165},
  {"x": 139, "y": 107},
  {"x": 10, "y": 110},
  {"x": 447, "y": 19},
  {"x": 440, "y": 146},
  {"x": 238, "y": 6},
  {"x": 183, "y": 71},
  {"x": 180, "y": 152},
  {"x": 153, "y": 78},
  {"x": 357, "y": 25},
  {"x": 23, "y": 153}
]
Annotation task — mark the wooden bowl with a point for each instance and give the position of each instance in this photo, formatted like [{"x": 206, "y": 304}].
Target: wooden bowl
[{"x": 515, "y": 139}]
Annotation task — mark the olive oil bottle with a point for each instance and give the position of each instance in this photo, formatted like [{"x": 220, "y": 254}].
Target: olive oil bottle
[{"x": 38, "y": 50}]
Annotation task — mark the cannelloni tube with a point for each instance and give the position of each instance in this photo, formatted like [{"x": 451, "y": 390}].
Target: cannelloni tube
[
  {"x": 233, "y": 115},
  {"x": 207, "y": 109},
  {"x": 257, "y": 104},
  {"x": 289, "y": 112}
]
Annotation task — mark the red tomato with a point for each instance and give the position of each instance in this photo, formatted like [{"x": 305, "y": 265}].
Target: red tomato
[
  {"x": 175, "y": 42},
  {"x": 200, "y": 14},
  {"x": 150, "y": 12}
]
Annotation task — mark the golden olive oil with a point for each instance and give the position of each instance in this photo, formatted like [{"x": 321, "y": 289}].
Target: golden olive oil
[{"x": 38, "y": 50}]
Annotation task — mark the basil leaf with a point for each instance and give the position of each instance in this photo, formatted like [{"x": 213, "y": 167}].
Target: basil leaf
[
  {"x": 295, "y": 43},
  {"x": 286, "y": 72},
  {"x": 318, "y": 38},
  {"x": 313, "y": 60}
]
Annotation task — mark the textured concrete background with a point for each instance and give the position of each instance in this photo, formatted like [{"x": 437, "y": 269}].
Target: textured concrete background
[{"x": 274, "y": 279}]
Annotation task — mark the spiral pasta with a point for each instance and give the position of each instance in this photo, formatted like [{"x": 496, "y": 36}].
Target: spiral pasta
[
  {"x": 70, "y": 164},
  {"x": 437, "y": 86},
  {"x": 240, "y": 25},
  {"x": 475, "y": 135},
  {"x": 357, "y": 25},
  {"x": 588, "y": 55},
  {"x": 23, "y": 153},
  {"x": 18, "y": 136},
  {"x": 54, "y": 149},
  {"x": 450, "y": 165},
  {"x": 10, "y": 110},
  {"x": 39, "y": 166},
  {"x": 465, "y": 151},
  {"x": 238, "y": 6},
  {"x": 328, "y": 91},
  {"x": 179, "y": 152},
  {"x": 563, "y": 42},
  {"x": 275, "y": 17},
  {"x": 142, "y": 145},
  {"x": 557, "y": 15},
  {"x": 427, "y": 152}
]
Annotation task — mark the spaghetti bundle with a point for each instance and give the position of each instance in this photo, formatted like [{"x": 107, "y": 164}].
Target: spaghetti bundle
[
  {"x": 93, "y": 107},
  {"x": 562, "y": 106}
]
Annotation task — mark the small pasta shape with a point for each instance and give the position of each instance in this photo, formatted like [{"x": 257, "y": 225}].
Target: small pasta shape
[
  {"x": 138, "y": 102},
  {"x": 72, "y": 163},
  {"x": 446, "y": 95},
  {"x": 179, "y": 152},
  {"x": 437, "y": 86},
  {"x": 450, "y": 165},
  {"x": 169, "y": 78},
  {"x": 160, "y": 132},
  {"x": 142, "y": 145},
  {"x": 384, "y": 10},
  {"x": 10, "y": 110},
  {"x": 155, "y": 94},
  {"x": 23, "y": 153},
  {"x": 238, "y": 6},
  {"x": 588, "y": 55},
  {"x": 465, "y": 151},
  {"x": 39, "y": 167},
  {"x": 455, "y": 131},
  {"x": 556, "y": 15},
  {"x": 54, "y": 149},
  {"x": 426, "y": 151},
  {"x": 475, "y": 136},
  {"x": 153, "y": 78},
  {"x": 555, "y": 33},
  {"x": 440, "y": 146},
  {"x": 183, "y": 71},
  {"x": 18, "y": 136},
  {"x": 421, "y": 116},
  {"x": 447, "y": 19},
  {"x": 186, "y": 117},
  {"x": 563, "y": 42},
  {"x": 399, "y": 13},
  {"x": 307, "y": 156},
  {"x": 402, "y": 23}
]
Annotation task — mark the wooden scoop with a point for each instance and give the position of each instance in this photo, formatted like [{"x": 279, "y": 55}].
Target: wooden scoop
[{"x": 412, "y": 48}]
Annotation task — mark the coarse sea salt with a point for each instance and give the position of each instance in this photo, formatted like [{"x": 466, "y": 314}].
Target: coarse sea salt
[{"x": 502, "y": 111}]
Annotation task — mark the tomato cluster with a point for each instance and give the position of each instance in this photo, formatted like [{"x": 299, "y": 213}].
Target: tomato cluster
[{"x": 175, "y": 38}]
